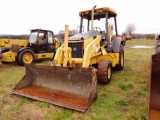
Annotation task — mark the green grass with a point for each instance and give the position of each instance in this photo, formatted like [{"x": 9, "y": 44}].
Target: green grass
[
  {"x": 125, "y": 98},
  {"x": 64, "y": 114},
  {"x": 140, "y": 42},
  {"x": 125, "y": 86}
]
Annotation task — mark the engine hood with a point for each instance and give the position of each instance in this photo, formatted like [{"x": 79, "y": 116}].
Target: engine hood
[{"x": 85, "y": 35}]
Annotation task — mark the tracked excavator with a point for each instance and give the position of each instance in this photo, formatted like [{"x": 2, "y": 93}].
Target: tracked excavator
[{"x": 85, "y": 59}]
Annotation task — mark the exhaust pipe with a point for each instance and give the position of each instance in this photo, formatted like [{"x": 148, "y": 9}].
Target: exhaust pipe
[{"x": 92, "y": 17}]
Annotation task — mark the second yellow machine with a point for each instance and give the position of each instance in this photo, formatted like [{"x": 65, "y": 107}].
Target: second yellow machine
[
  {"x": 79, "y": 63},
  {"x": 41, "y": 44}
]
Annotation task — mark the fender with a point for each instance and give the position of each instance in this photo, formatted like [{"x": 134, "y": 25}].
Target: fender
[
  {"x": 23, "y": 48},
  {"x": 116, "y": 43},
  {"x": 3, "y": 50}
]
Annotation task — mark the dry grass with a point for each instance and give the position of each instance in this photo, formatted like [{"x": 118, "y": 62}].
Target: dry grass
[{"x": 125, "y": 98}]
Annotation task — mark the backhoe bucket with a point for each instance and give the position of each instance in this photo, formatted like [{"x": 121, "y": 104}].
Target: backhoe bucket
[
  {"x": 70, "y": 87},
  {"x": 154, "y": 103}
]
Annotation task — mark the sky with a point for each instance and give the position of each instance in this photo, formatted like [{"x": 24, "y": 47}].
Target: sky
[{"x": 20, "y": 16}]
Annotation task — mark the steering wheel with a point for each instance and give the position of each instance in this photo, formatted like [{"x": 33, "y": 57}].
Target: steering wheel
[{"x": 97, "y": 28}]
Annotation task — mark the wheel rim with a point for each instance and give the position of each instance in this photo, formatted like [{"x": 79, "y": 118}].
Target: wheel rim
[
  {"x": 27, "y": 58},
  {"x": 109, "y": 73}
]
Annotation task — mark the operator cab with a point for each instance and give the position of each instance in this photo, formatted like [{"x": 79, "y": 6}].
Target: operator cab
[
  {"x": 42, "y": 41},
  {"x": 100, "y": 14}
]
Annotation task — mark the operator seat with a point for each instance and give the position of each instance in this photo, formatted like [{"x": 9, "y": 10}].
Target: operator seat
[
  {"x": 43, "y": 46},
  {"x": 103, "y": 41}
]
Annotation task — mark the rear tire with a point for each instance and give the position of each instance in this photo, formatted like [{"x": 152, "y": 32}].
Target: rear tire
[
  {"x": 104, "y": 73},
  {"x": 120, "y": 65},
  {"x": 25, "y": 57}
]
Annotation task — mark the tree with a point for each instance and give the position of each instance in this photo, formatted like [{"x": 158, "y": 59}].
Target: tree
[
  {"x": 130, "y": 28},
  {"x": 61, "y": 33},
  {"x": 74, "y": 31},
  {"x": 150, "y": 36}
]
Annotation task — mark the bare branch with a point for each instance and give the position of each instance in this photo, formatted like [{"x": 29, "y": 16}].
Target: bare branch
[{"x": 130, "y": 29}]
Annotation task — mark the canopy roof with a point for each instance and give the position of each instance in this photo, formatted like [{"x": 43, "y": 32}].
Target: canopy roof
[{"x": 98, "y": 13}]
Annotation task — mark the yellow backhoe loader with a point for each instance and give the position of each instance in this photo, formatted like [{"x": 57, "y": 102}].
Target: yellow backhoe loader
[
  {"x": 41, "y": 44},
  {"x": 83, "y": 59},
  {"x": 154, "y": 94}
]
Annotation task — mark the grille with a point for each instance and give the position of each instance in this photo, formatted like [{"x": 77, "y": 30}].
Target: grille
[{"x": 77, "y": 49}]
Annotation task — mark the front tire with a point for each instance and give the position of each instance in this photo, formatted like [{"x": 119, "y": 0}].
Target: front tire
[
  {"x": 104, "y": 73},
  {"x": 25, "y": 57}
]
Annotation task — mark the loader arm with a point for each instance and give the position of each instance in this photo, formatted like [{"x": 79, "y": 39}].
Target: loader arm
[{"x": 90, "y": 50}]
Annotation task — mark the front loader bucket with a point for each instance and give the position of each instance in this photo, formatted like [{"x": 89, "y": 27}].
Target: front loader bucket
[
  {"x": 154, "y": 103},
  {"x": 70, "y": 87}
]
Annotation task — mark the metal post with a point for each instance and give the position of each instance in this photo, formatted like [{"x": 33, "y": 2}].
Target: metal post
[
  {"x": 92, "y": 17},
  {"x": 66, "y": 36},
  {"x": 115, "y": 22},
  {"x": 107, "y": 35},
  {"x": 88, "y": 26},
  {"x": 81, "y": 24}
]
